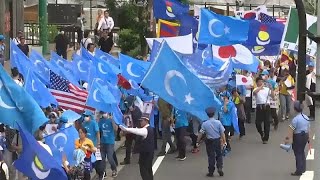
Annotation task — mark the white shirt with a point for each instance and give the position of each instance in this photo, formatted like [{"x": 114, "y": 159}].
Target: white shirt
[
  {"x": 46, "y": 147},
  {"x": 92, "y": 53},
  {"x": 106, "y": 23},
  {"x": 5, "y": 169},
  {"x": 263, "y": 96},
  {"x": 85, "y": 42},
  {"x": 137, "y": 131}
]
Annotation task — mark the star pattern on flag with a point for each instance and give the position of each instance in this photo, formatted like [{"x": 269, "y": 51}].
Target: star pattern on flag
[
  {"x": 226, "y": 30},
  {"x": 188, "y": 98},
  {"x": 264, "y": 18}
]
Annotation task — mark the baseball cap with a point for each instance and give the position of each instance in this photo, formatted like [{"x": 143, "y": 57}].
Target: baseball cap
[{"x": 2, "y": 37}]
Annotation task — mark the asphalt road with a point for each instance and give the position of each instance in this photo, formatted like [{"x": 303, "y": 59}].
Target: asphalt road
[{"x": 249, "y": 160}]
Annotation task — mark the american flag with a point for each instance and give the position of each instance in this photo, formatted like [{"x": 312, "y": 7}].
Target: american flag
[
  {"x": 68, "y": 95},
  {"x": 264, "y": 18}
]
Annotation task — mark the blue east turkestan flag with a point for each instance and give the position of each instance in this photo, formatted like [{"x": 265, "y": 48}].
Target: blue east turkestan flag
[
  {"x": 154, "y": 51},
  {"x": 172, "y": 81},
  {"x": 38, "y": 90},
  {"x": 133, "y": 68},
  {"x": 35, "y": 162},
  {"x": 221, "y": 30},
  {"x": 169, "y": 9},
  {"x": 40, "y": 67},
  {"x": 212, "y": 71},
  {"x": 107, "y": 57},
  {"x": 100, "y": 97},
  {"x": 62, "y": 142},
  {"x": 80, "y": 68},
  {"x": 17, "y": 106},
  {"x": 261, "y": 34},
  {"x": 19, "y": 60}
]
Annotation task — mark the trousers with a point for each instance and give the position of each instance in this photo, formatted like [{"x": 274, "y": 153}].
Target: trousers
[
  {"x": 181, "y": 141},
  {"x": 263, "y": 116},
  {"x": 299, "y": 143},
  {"x": 145, "y": 165},
  {"x": 213, "y": 147}
]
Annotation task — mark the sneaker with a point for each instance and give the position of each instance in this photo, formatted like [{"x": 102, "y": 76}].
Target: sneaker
[
  {"x": 265, "y": 142},
  {"x": 104, "y": 175},
  {"x": 114, "y": 174},
  {"x": 209, "y": 175},
  {"x": 287, "y": 117},
  {"x": 183, "y": 158},
  {"x": 220, "y": 172}
]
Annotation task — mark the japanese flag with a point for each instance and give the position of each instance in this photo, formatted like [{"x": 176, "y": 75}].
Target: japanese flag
[{"x": 243, "y": 80}]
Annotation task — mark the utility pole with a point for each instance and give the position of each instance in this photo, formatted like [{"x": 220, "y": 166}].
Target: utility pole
[{"x": 43, "y": 25}]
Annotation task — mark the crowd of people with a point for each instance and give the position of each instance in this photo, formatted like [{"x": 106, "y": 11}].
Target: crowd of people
[{"x": 270, "y": 96}]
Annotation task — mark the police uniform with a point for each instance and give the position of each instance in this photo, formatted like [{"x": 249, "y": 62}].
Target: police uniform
[
  {"x": 300, "y": 125},
  {"x": 145, "y": 147},
  {"x": 213, "y": 130}
]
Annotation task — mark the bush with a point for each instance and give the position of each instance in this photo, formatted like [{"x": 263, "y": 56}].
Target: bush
[
  {"x": 128, "y": 40},
  {"x": 52, "y": 32}
]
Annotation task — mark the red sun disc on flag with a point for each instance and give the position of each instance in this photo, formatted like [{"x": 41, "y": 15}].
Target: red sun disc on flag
[
  {"x": 244, "y": 80},
  {"x": 227, "y": 51}
]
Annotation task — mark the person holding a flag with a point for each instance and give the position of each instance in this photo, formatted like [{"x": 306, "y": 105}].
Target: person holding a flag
[
  {"x": 298, "y": 134},
  {"x": 88, "y": 148}
]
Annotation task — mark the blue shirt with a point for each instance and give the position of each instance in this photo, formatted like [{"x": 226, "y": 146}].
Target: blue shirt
[
  {"x": 213, "y": 128},
  {"x": 300, "y": 124},
  {"x": 226, "y": 117},
  {"x": 92, "y": 130},
  {"x": 181, "y": 119},
  {"x": 106, "y": 131}
]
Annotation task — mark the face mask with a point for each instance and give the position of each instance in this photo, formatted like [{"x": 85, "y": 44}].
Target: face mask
[
  {"x": 105, "y": 116},
  {"x": 86, "y": 118}
]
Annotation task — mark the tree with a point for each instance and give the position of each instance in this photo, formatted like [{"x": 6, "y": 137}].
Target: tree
[{"x": 311, "y": 7}]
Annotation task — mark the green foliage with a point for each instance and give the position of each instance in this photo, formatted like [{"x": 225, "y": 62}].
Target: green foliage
[
  {"x": 52, "y": 32},
  {"x": 135, "y": 52},
  {"x": 128, "y": 41}
]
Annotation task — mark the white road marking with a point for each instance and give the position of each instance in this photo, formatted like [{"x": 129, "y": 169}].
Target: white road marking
[
  {"x": 310, "y": 156},
  {"x": 156, "y": 164},
  {"x": 308, "y": 175}
]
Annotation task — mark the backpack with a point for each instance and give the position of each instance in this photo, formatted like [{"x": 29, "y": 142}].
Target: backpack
[{"x": 2, "y": 173}]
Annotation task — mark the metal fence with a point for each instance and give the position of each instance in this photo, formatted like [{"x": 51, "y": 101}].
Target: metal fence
[{"x": 32, "y": 33}]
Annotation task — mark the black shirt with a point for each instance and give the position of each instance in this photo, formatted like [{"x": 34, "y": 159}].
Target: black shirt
[
  {"x": 24, "y": 48},
  {"x": 61, "y": 42},
  {"x": 105, "y": 44}
]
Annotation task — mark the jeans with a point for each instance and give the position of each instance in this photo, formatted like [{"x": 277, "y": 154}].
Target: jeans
[
  {"x": 213, "y": 147},
  {"x": 299, "y": 143},
  {"x": 285, "y": 105},
  {"x": 107, "y": 150},
  {"x": 166, "y": 138},
  {"x": 181, "y": 141},
  {"x": 263, "y": 116}
]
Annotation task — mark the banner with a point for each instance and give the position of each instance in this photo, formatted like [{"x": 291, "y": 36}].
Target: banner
[{"x": 291, "y": 33}]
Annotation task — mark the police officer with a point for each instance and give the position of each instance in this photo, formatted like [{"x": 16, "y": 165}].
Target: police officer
[
  {"x": 215, "y": 140},
  {"x": 299, "y": 134},
  {"x": 146, "y": 147}
]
